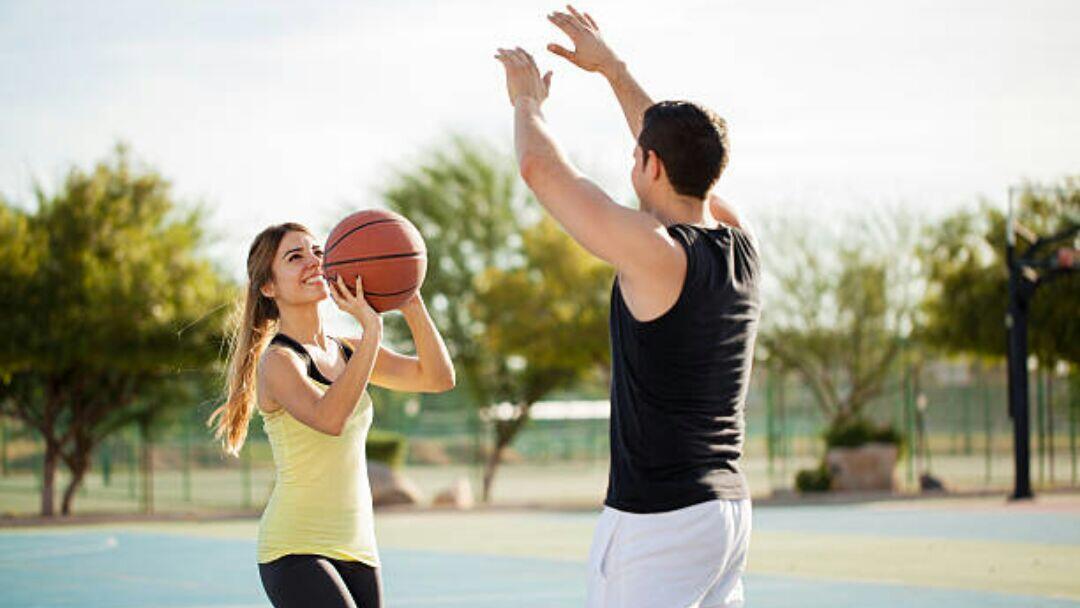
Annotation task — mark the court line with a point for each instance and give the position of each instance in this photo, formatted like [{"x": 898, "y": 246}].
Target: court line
[
  {"x": 108, "y": 544},
  {"x": 481, "y": 597}
]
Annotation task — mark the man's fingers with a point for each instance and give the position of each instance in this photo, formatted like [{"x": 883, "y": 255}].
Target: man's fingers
[
  {"x": 591, "y": 21},
  {"x": 506, "y": 57},
  {"x": 577, "y": 23},
  {"x": 577, "y": 16},
  {"x": 562, "y": 52},
  {"x": 530, "y": 62},
  {"x": 525, "y": 61},
  {"x": 565, "y": 23},
  {"x": 513, "y": 59}
]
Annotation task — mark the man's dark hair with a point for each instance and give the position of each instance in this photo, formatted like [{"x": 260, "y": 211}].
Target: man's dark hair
[{"x": 690, "y": 140}]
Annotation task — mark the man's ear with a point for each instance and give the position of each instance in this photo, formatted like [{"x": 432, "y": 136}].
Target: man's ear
[{"x": 654, "y": 167}]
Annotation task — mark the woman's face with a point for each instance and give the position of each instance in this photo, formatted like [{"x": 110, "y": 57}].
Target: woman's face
[{"x": 297, "y": 271}]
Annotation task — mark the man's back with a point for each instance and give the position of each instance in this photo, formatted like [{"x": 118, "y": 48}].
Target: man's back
[
  {"x": 676, "y": 528},
  {"x": 679, "y": 382}
]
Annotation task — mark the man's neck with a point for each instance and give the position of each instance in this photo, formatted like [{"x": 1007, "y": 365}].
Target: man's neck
[{"x": 681, "y": 209}]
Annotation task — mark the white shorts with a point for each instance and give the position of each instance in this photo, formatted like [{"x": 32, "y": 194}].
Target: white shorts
[{"x": 687, "y": 558}]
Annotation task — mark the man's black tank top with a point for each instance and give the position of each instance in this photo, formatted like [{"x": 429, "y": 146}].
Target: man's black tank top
[{"x": 679, "y": 382}]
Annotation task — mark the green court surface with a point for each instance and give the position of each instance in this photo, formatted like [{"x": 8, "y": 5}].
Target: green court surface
[{"x": 948, "y": 552}]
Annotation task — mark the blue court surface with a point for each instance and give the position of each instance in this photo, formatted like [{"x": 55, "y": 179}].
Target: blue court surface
[{"x": 189, "y": 565}]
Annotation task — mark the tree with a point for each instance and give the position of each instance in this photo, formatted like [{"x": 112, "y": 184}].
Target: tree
[
  {"x": 108, "y": 298},
  {"x": 500, "y": 283},
  {"x": 968, "y": 292},
  {"x": 467, "y": 202},
  {"x": 547, "y": 318},
  {"x": 838, "y": 311}
]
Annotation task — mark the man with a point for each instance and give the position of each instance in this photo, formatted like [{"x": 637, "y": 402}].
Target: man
[{"x": 684, "y": 312}]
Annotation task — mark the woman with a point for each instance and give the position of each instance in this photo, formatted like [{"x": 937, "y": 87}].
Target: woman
[{"x": 316, "y": 537}]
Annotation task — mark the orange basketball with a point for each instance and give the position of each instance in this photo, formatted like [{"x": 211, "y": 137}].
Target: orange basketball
[{"x": 385, "y": 249}]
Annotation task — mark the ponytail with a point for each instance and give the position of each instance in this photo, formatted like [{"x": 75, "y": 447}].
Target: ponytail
[{"x": 254, "y": 323}]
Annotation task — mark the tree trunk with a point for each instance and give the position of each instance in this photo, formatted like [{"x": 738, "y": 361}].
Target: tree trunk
[
  {"x": 48, "y": 478},
  {"x": 493, "y": 461},
  {"x": 80, "y": 464},
  {"x": 505, "y": 431},
  {"x": 1050, "y": 418},
  {"x": 146, "y": 457}
]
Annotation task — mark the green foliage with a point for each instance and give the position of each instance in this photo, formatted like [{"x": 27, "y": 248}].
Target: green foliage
[
  {"x": 387, "y": 447},
  {"x": 111, "y": 310},
  {"x": 855, "y": 432},
  {"x": 468, "y": 203},
  {"x": 522, "y": 308},
  {"x": 546, "y": 317},
  {"x": 814, "y": 480},
  {"x": 965, "y": 260},
  {"x": 840, "y": 308},
  {"x": 111, "y": 277}
]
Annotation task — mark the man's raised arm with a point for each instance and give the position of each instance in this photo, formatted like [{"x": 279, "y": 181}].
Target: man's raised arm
[
  {"x": 592, "y": 54},
  {"x": 635, "y": 243}
]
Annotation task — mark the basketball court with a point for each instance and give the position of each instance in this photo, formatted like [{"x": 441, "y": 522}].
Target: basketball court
[{"x": 949, "y": 552}]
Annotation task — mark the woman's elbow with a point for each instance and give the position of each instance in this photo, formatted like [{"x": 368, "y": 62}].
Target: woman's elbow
[
  {"x": 445, "y": 383},
  {"x": 334, "y": 428}
]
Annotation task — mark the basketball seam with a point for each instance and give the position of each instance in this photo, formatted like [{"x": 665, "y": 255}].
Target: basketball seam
[
  {"x": 389, "y": 294},
  {"x": 354, "y": 229},
  {"x": 371, "y": 258}
]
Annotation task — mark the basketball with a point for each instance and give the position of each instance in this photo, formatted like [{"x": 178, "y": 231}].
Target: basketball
[{"x": 385, "y": 249}]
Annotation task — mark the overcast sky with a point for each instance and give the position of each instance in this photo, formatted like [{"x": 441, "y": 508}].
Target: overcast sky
[{"x": 272, "y": 111}]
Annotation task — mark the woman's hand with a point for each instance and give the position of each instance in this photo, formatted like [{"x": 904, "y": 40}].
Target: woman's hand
[
  {"x": 356, "y": 305},
  {"x": 413, "y": 305}
]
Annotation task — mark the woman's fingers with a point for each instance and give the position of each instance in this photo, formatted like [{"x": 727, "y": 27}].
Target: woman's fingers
[
  {"x": 335, "y": 292},
  {"x": 360, "y": 287}
]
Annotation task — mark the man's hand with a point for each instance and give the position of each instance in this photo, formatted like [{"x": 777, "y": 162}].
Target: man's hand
[
  {"x": 590, "y": 52},
  {"x": 523, "y": 81}
]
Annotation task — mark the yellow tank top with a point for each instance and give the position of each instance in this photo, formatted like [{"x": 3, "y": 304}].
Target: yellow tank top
[{"x": 321, "y": 501}]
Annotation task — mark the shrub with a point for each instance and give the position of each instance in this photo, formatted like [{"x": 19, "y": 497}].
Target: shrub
[
  {"x": 387, "y": 447},
  {"x": 854, "y": 432},
  {"x": 814, "y": 480}
]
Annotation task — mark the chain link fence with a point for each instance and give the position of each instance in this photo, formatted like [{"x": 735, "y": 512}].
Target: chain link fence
[{"x": 952, "y": 415}]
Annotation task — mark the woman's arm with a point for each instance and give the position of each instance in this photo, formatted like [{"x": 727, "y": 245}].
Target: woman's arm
[
  {"x": 431, "y": 371},
  {"x": 283, "y": 374}
]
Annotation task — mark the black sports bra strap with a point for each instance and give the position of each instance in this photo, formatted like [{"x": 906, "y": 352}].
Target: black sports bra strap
[
  {"x": 312, "y": 370},
  {"x": 346, "y": 350}
]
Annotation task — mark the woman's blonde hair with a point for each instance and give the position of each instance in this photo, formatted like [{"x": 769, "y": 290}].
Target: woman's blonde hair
[{"x": 254, "y": 322}]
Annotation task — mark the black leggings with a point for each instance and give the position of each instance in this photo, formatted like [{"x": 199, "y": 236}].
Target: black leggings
[{"x": 317, "y": 581}]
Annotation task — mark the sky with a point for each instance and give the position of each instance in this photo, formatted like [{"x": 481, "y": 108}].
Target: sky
[{"x": 268, "y": 111}]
